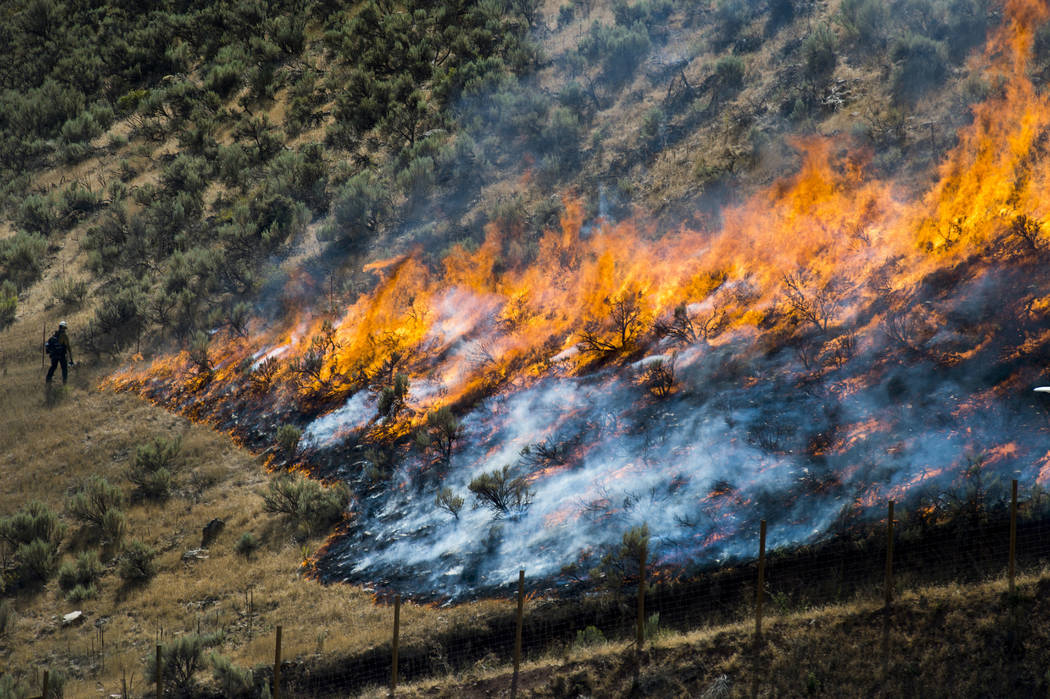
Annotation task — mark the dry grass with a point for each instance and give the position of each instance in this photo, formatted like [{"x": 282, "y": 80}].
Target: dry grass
[
  {"x": 949, "y": 640},
  {"x": 52, "y": 441}
]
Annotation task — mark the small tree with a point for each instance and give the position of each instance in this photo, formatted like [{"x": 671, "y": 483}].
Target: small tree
[{"x": 501, "y": 491}]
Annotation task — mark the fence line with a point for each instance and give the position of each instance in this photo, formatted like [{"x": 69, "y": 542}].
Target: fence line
[{"x": 836, "y": 571}]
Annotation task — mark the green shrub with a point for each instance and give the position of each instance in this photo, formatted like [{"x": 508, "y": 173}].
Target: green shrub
[
  {"x": 33, "y": 521},
  {"x": 729, "y": 70},
  {"x": 69, "y": 291},
  {"x": 864, "y": 21},
  {"x": 95, "y": 497},
  {"x": 233, "y": 681},
  {"x": 589, "y": 636},
  {"x": 247, "y": 544},
  {"x": 307, "y": 502},
  {"x": 76, "y": 202},
  {"x": 180, "y": 661},
  {"x": 85, "y": 571},
  {"x": 80, "y": 128},
  {"x": 288, "y": 437},
  {"x": 360, "y": 209},
  {"x": 7, "y": 616},
  {"x": 818, "y": 54},
  {"x": 920, "y": 64},
  {"x": 155, "y": 466},
  {"x": 136, "y": 564},
  {"x": 620, "y": 49},
  {"x": 22, "y": 258},
  {"x": 36, "y": 561},
  {"x": 447, "y": 500},
  {"x": 8, "y": 302},
  {"x": 37, "y": 214},
  {"x": 79, "y": 593}
]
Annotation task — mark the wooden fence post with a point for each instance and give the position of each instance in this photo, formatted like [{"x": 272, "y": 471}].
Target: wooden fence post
[
  {"x": 640, "y": 631},
  {"x": 1013, "y": 534},
  {"x": 397, "y": 631},
  {"x": 158, "y": 675},
  {"x": 889, "y": 556},
  {"x": 760, "y": 590},
  {"x": 517, "y": 634},
  {"x": 277, "y": 666},
  {"x": 47, "y": 678}
]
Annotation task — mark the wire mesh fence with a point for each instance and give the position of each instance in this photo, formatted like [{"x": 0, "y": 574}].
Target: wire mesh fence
[{"x": 910, "y": 549}]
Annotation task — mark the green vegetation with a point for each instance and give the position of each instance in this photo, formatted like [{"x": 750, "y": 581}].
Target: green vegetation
[
  {"x": 136, "y": 566},
  {"x": 155, "y": 468},
  {"x": 33, "y": 534},
  {"x": 311, "y": 506}
]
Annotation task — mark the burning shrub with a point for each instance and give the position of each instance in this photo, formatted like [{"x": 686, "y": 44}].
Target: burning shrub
[
  {"x": 392, "y": 398},
  {"x": 96, "y": 506},
  {"x": 288, "y": 439},
  {"x": 136, "y": 564},
  {"x": 199, "y": 352},
  {"x": 155, "y": 466},
  {"x": 309, "y": 504},
  {"x": 658, "y": 376},
  {"x": 502, "y": 492},
  {"x": 450, "y": 502},
  {"x": 620, "y": 330}
]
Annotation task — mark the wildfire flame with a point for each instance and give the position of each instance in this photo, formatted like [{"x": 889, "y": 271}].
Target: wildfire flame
[{"x": 844, "y": 328}]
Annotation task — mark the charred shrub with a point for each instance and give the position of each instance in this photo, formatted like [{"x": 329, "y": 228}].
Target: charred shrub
[{"x": 311, "y": 505}]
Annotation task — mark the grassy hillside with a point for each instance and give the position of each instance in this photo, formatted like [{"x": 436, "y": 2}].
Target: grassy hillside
[{"x": 172, "y": 172}]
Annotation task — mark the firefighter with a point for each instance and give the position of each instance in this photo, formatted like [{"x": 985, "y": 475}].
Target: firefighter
[{"x": 58, "y": 349}]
